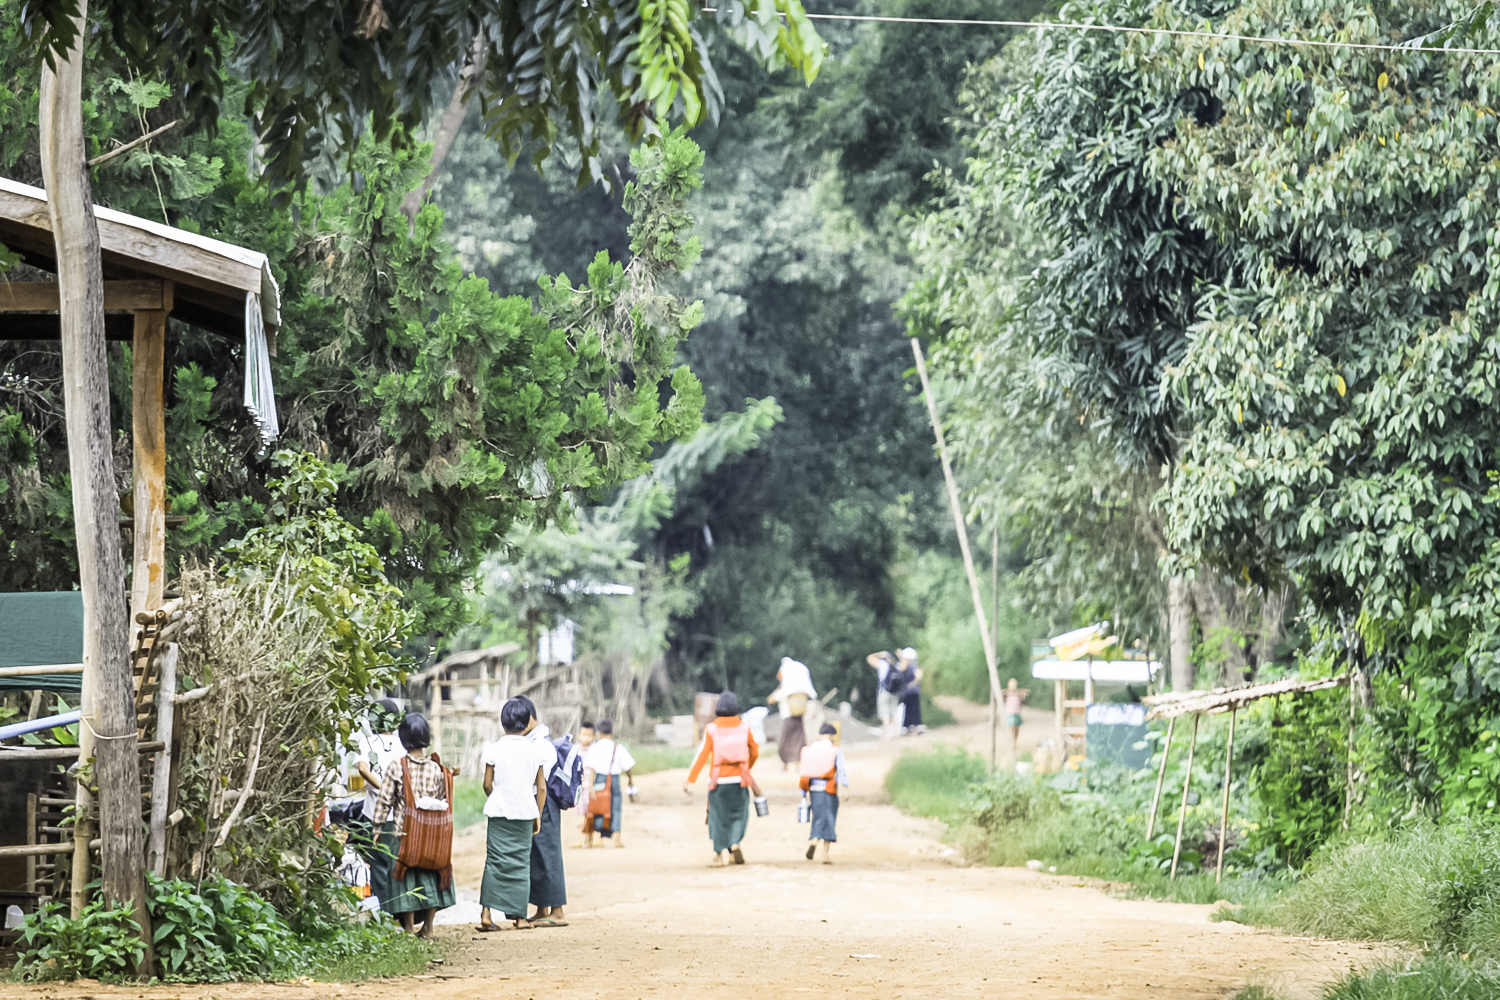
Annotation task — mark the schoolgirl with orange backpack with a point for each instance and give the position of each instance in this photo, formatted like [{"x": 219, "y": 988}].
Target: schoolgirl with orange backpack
[
  {"x": 729, "y": 751},
  {"x": 823, "y": 773}
]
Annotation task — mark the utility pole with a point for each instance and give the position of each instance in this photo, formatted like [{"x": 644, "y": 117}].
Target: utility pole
[
  {"x": 962, "y": 529},
  {"x": 109, "y": 717}
]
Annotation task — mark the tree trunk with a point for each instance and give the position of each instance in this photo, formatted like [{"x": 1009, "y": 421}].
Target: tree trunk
[
  {"x": 469, "y": 80},
  {"x": 1179, "y": 630},
  {"x": 101, "y": 568}
]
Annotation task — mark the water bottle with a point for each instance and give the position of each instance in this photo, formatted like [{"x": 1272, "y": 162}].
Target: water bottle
[{"x": 804, "y": 811}]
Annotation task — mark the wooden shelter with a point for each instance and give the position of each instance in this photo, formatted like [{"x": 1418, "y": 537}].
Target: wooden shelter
[
  {"x": 1171, "y": 704},
  {"x": 151, "y": 271}
]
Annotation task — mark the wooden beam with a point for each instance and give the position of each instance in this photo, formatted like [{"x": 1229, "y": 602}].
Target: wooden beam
[
  {"x": 119, "y": 296},
  {"x": 1224, "y": 815},
  {"x": 148, "y": 431},
  {"x": 51, "y": 668},
  {"x": 48, "y": 326},
  {"x": 1161, "y": 776},
  {"x": 1187, "y": 780},
  {"x": 59, "y": 753}
]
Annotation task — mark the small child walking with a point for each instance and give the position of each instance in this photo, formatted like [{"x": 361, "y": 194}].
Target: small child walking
[
  {"x": 515, "y": 779},
  {"x": 824, "y": 772}
]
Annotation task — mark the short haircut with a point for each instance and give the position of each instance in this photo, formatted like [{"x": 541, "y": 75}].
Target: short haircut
[
  {"x": 514, "y": 716},
  {"x": 727, "y": 704},
  {"x": 530, "y": 705},
  {"x": 586, "y": 724},
  {"x": 828, "y": 729},
  {"x": 605, "y": 727},
  {"x": 414, "y": 734}
]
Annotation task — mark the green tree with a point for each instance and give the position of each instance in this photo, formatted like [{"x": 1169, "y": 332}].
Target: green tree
[{"x": 1340, "y": 386}]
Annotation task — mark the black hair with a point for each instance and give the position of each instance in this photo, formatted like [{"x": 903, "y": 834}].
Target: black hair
[
  {"x": 514, "y": 716},
  {"x": 414, "y": 734},
  {"x": 828, "y": 729},
  {"x": 727, "y": 704},
  {"x": 605, "y": 728},
  {"x": 530, "y": 705},
  {"x": 586, "y": 724}
]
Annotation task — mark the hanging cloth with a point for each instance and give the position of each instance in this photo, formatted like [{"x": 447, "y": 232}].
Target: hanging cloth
[{"x": 260, "y": 398}]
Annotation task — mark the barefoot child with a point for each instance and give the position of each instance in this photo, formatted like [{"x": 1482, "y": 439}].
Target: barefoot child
[
  {"x": 516, "y": 783},
  {"x": 823, "y": 774},
  {"x": 1015, "y": 697},
  {"x": 730, "y": 745}
]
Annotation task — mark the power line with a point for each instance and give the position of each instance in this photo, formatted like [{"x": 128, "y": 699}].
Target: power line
[{"x": 1124, "y": 29}]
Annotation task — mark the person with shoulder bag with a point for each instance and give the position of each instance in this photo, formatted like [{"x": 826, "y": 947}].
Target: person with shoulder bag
[
  {"x": 415, "y": 815},
  {"x": 824, "y": 772},
  {"x": 515, "y": 783},
  {"x": 730, "y": 751},
  {"x": 604, "y": 763}
]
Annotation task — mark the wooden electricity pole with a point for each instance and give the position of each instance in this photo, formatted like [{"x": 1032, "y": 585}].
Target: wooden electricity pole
[
  {"x": 109, "y": 715},
  {"x": 962, "y": 529}
]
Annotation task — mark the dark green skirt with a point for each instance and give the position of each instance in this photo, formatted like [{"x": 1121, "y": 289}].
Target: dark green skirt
[
  {"x": 728, "y": 815},
  {"x": 421, "y": 889},
  {"x": 507, "y": 867}
]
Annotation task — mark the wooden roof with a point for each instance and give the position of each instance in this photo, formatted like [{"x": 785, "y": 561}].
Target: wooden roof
[
  {"x": 210, "y": 277},
  {"x": 1170, "y": 704}
]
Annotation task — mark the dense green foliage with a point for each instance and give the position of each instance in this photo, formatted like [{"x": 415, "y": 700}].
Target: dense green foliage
[
  {"x": 215, "y": 931},
  {"x": 447, "y": 412},
  {"x": 322, "y": 74}
]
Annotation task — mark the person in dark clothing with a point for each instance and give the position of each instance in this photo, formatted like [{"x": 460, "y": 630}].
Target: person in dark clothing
[{"x": 549, "y": 892}]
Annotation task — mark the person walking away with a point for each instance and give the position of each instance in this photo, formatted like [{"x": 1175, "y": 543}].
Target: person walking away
[
  {"x": 792, "y": 694},
  {"x": 824, "y": 772},
  {"x": 414, "y": 812},
  {"x": 549, "y": 892},
  {"x": 911, "y": 694},
  {"x": 1015, "y": 696},
  {"x": 884, "y": 663},
  {"x": 896, "y": 680},
  {"x": 586, "y": 737},
  {"x": 730, "y": 750},
  {"x": 603, "y": 764},
  {"x": 515, "y": 787}
]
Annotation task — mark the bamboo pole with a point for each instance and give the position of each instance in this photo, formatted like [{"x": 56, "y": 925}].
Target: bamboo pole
[
  {"x": 1187, "y": 779},
  {"x": 161, "y": 779},
  {"x": 995, "y": 642},
  {"x": 1161, "y": 776},
  {"x": 1224, "y": 812},
  {"x": 958, "y": 521}
]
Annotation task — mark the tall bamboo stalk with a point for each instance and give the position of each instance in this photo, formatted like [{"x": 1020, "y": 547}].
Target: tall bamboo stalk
[{"x": 958, "y": 522}]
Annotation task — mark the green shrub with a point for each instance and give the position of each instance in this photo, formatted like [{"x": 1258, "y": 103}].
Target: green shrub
[
  {"x": 103, "y": 943},
  {"x": 653, "y": 757},
  {"x": 1299, "y": 785},
  {"x": 468, "y": 802},
  {"x": 220, "y": 932},
  {"x": 1432, "y": 977},
  {"x": 1434, "y": 886}
]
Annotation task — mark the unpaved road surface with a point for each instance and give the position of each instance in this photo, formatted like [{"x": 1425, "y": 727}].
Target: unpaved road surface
[{"x": 896, "y": 915}]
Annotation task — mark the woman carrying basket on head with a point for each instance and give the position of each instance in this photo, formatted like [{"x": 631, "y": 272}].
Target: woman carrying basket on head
[
  {"x": 730, "y": 750},
  {"x": 415, "y": 816},
  {"x": 791, "y": 697}
]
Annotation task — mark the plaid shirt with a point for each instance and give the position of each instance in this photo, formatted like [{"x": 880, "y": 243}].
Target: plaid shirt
[{"x": 426, "y": 779}]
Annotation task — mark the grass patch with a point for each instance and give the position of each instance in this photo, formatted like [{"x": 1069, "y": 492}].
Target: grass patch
[
  {"x": 1256, "y": 993},
  {"x": 1432, "y": 977},
  {"x": 936, "y": 783},
  {"x": 468, "y": 802},
  {"x": 653, "y": 757},
  {"x": 399, "y": 954},
  {"x": 1429, "y": 886}
]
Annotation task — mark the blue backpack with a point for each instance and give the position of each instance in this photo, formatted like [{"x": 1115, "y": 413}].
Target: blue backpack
[{"x": 566, "y": 778}]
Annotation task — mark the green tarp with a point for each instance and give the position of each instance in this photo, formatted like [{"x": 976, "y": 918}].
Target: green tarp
[{"x": 38, "y": 630}]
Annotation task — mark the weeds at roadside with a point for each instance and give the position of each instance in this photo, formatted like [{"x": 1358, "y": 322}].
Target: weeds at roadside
[{"x": 1431, "y": 977}]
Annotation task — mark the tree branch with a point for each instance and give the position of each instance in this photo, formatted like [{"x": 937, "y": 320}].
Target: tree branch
[
  {"x": 106, "y": 157},
  {"x": 470, "y": 79}
]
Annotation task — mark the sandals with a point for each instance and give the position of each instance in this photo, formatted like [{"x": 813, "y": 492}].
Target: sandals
[
  {"x": 487, "y": 928},
  {"x": 739, "y": 858},
  {"x": 811, "y": 850},
  {"x": 549, "y": 922}
]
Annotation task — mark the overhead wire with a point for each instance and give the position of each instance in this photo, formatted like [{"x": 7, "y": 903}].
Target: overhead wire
[{"x": 1406, "y": 47}]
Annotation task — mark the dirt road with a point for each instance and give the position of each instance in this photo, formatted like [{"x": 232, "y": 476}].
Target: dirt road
[{"x": 895, "y": 916}]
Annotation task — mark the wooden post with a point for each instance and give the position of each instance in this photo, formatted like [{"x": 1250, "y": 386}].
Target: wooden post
[
  {"x": 959, "y": 526},
  {"x": 1059, "y": 695},
  {"x": 1224, "y": 813},
  {"x": 995, "y": 641},
  {"x": 1161, "y": 776},
  {"x": 1187, "y": 779},
  {"x": 110, "y": 714},
  {"x": 149, "y": 435},
  {"x": 30, "y": 839},
  {"x": 161, "y": 780},
  {"x": 437, "y": 712}
]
